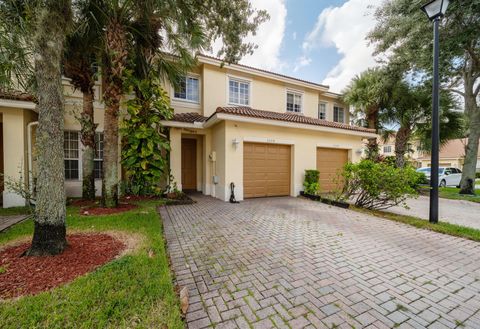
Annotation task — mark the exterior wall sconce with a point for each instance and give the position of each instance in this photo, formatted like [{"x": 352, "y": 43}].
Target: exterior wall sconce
[{"x": 235, "y": 142}]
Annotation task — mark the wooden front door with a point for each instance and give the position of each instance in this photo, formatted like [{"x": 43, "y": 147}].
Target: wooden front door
[{"x": 189, "y": 164}]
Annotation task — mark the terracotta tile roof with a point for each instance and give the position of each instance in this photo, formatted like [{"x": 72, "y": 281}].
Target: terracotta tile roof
[
  {"x": 270, "y": 72},
  {"x": 188, "y": 117},
  {"x": 288, "y": 117},
  {"x": 16, "y": 95}
]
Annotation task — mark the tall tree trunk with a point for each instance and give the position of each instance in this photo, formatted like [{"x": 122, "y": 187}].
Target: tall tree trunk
[
  {"x": 401, "y": 143},
  {"x": 49, "y": 233},
  {"x": 114, "y": 67},
  {"x": 472, "y": 111},
  {"x": 372, "y": 122},
  {"x": 88, "y": 140}
]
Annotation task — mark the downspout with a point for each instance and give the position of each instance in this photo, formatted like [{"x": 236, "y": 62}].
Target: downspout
[{"x": 30, "y": 157}]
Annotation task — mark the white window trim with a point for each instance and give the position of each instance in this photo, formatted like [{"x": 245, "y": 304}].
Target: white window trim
[
  {"x": 344, "y": 113},
  {"x": 94, "y": 158},
  {"x": 79, "y": 159},
  {"x": 388, "y": 147},
  {"x": 242, "y": 80},
  {"x": 318, "y": 110},
  {"x": 181, "y": 100},
  {"x": 302, "y": 96}
]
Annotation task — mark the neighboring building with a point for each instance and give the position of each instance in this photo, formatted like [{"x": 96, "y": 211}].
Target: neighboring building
[
  {"x": 452, "y": 154},
  {"x": 233, "y": 124},
  {"x": 387, "y": 148}
]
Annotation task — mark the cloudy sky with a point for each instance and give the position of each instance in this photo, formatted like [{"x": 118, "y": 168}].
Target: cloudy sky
[{"x": 317, "y": 40}]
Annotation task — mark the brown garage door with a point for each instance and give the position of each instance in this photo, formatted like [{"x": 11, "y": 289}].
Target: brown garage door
[
  {"x": 266, "y": 170},
  {"x": 329, "y": 163}
]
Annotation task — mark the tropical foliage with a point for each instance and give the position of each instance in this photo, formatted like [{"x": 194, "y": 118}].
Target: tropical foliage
[
  {"x": 404, "y": 35},
  {"x": 376, "y": 185},
  {"x": 145, "y": 143},
  {"x": 311, "y": 184}
]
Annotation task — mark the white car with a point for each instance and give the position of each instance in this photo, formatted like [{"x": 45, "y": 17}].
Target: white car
[{"x": 447, "y": 176}]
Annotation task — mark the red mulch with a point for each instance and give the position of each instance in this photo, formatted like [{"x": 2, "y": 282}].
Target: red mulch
[
  {"x": 122, "y": 207},
  {"x": 82, "y": 202},
  {"x": 140, "y": 198},
  {"x": 31, "y": 275}
]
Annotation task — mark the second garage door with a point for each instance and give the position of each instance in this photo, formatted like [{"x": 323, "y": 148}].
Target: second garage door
[
  {"x": 266, "y": 170},
  {"x": 329, "y": 163}
]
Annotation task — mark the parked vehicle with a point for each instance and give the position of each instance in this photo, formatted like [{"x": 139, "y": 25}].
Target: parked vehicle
[{"x": 447, "y": 176}]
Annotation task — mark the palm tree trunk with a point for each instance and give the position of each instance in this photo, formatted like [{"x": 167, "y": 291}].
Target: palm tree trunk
[
  {"x": 472, "y": 111},
  {"x": 401, "y": 142},
  {"x": 88, "y": 141},
  {"x": 372, "y": 145},
  {"x": 49, "y": 233},
  {"x": 114, "y": 67}
]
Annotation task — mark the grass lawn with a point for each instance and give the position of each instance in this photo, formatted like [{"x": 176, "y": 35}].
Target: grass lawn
[
  {"x": 132, "y": 291},
  {"x": 14, "y": 211},
  {"x": 441, "y": 227},
  {"x": 452, "y": 193}
]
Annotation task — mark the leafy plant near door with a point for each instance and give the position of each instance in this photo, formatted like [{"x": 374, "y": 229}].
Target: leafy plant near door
[
  {"x": 311, "y": 184},
  {"x": 145, "y": 143}
]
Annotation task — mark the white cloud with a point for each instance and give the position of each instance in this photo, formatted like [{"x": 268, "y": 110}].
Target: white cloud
[
  {"x": 344, "y": 28},
  {"x": 301, "y": 62},
  {"x": 269, "y": 36}
]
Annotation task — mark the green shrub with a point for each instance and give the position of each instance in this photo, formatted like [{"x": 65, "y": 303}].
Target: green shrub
[
  {"x": 310, "y": 183},
  {"x": 145, "y": 143},
  {"x": 477, "y": 175},
  {"x": 378, "y": 185}
]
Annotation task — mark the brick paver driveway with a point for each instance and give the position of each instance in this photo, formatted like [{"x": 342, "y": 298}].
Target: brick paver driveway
[{"x": 286, "y": 262}]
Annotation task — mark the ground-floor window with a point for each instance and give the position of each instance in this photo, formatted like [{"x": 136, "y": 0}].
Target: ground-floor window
[
  {"x": 98, "y": 155},
  {"x": 71, "y": 148},
  {"x": 71, "y": 154}
]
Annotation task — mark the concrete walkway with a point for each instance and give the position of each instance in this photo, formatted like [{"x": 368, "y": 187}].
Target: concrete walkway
[
  {"x": 465, "y": 213},
  {"x": 294, "y": 263},
  {"x": 7, "y": 221}
]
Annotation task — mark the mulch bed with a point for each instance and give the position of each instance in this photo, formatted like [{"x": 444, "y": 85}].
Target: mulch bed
[
  {"x": 95, "y": 211},
  {"x": 31, "y": 275}
]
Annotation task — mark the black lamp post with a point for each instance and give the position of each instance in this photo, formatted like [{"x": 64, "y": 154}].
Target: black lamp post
[{"x": 435, "y": 10}]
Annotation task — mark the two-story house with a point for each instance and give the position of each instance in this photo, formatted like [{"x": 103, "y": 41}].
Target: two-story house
[
  {"x": 257, "y": 129},
  {"x": 233, "y": 124}
]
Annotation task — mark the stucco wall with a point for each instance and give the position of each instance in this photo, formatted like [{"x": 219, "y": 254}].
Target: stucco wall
[
  {"x": 265, "y": 94},
  {"x": 15, "y": 122},
  {"x": 303, "y": 143}
]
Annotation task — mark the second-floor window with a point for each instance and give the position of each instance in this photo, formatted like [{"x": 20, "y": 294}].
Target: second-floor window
[
  {"x": 294, "y": 102},
  {"x": 188, "y": 89},
  {"x": 338, "y": 114},
  {"x": 387, "y": 149},
  {"x": 238, "y": 92},
  {"x": 322, "y": 111}
]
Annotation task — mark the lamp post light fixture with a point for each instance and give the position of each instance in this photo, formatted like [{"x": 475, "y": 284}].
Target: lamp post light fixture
[{"x": 435, "y": 10}]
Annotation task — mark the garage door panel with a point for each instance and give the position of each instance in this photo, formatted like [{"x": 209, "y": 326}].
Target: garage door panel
[
  {"x": 330, "y": 163},
  {"x": 266, "y": 170}
]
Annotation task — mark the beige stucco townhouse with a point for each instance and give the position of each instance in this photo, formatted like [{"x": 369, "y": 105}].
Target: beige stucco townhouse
[{"x": 233, "y": 124}]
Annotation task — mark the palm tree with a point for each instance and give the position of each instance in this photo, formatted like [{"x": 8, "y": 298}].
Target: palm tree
[
  {"x": 40, "y": 29},
  {"x": 79, "y": 64},
  {"x": 368, "y": 93},
  {"x": 409, "y": 108},
  {"x": 136, "y": 33}
]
